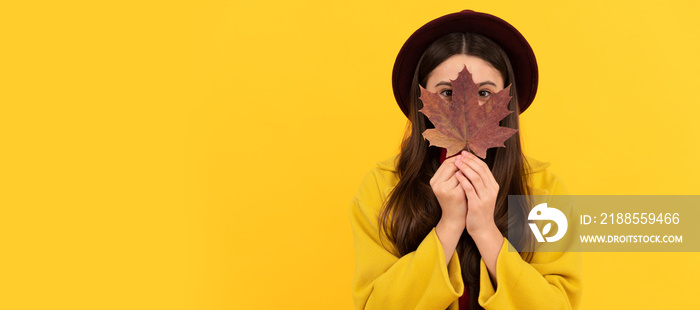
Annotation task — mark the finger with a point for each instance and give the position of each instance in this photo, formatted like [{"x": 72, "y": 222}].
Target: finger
[
  {"x": 452, "y": 182},
  {"x": 438, "y": 174},
  {"x": 446, "y": 170},
  {"x": 467, "y": 187},
  {"x": 482, "y": 169},
  {"x": 473, "y": 178}
]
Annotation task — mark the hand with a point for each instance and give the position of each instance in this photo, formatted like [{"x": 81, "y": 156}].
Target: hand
[
  {"x": 481, "y": 189},
  {"x": 450, "y": 195}
]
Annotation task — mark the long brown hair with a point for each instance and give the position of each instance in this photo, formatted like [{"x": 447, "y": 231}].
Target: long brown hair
[{"x": 412, "y": 210}]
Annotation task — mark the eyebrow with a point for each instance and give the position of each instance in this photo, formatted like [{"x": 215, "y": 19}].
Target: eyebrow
[{"x": 480, "y": 84}]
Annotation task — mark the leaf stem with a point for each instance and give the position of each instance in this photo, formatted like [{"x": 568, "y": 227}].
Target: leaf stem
[{"x": 469, "y": 150}]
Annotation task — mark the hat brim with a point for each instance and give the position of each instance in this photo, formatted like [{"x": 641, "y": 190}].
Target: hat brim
[{"x": 519, "y": 52}]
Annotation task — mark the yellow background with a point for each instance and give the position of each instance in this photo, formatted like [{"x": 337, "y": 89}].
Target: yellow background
[{"x": 203, "y": 154}]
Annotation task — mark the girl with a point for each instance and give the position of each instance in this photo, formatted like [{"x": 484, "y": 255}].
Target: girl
[{"x": 429, "y": 230}]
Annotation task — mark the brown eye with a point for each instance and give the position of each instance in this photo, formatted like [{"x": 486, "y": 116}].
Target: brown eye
[
  {"x": 484, "y": 93},
  {"x": 446, "y": 93}
]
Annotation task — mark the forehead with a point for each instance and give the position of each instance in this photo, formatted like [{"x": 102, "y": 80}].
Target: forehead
[{"x": 480, "y": 69}]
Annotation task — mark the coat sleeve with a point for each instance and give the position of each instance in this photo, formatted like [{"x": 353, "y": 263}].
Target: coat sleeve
[
  {"x": 552, "y": 280},
  {"x": 383, "y": 280}
]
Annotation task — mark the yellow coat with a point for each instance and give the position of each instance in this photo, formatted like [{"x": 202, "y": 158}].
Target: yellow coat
[{"x": 422, "y": 280}]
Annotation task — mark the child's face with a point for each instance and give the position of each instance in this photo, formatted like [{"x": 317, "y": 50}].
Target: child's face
[{"x": 486, "y": 76}]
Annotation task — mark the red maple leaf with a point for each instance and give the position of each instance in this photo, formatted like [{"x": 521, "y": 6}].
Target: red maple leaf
[{"x": 465, "y": 124}]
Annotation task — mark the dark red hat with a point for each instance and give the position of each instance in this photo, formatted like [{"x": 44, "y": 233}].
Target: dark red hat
[{"x": 519, "y": 52}]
